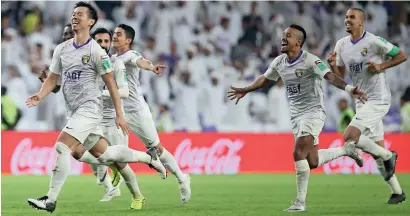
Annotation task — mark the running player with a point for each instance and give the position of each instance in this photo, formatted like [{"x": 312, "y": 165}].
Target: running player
[
  {"x": 366, "y": 57},
  {"x": 81, "y": 66},
  {"x": 302, "y": 74},
  {"x": 137, "y": 112}
]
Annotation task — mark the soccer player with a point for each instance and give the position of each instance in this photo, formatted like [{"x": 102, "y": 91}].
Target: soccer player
[
  {"x": 366, "y": 57},
  {"x": 82, "y": 61},
  {"x": 137, "y": 112},
  {"x": 104, "y": 39},
  {"x": 302, "y": 74}
]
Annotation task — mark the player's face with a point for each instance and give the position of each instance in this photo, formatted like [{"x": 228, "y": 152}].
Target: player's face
[
  {"x": 290, "y": 40},
  {"x": 80, "y": 19},
  {"x": 68, "y": 33},
  {"x": 353, "y": 20},
  {"x": 104, "y": 41},
  {"x": 119, "y": 38}
]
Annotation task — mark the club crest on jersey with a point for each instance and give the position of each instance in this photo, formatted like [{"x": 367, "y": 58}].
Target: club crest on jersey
[
  {"x": 363, "y": 51},
  {"x": 299, "y": 73},
  {"x": 85, "y": 59}
]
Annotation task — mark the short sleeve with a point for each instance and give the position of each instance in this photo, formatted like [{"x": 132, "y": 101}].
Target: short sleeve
[
  {"x": 120, "y": 74},
  {"x": 56, "y": 66},
  {"x": 102, "y": 61},
  {"x": 319, "y": 67},
  {"x": 272, "y": 73},
  {"x": 386, "y": 47},
  {"x": 134, "y": 56},
  {"x": 339, "y": 60}
]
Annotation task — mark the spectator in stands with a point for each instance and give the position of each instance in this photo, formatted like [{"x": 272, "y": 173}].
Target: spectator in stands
[
  {"x": 346, "y": 114},
  {"x": 163, "y": 120},
  {"x": 10, "y": 113}
]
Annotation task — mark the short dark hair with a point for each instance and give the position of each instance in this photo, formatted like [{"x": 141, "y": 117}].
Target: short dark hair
[
  {"x": 301, "y": 29},
  {"x": 92, "y": 12},
  {"x": 362, "y": 12},
  {"x": 68, "y": 25},
  {"x": 101, "y": 30},
  {"x": 129, "y": 32}
]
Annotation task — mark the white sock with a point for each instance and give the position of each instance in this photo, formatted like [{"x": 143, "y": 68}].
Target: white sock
[
  {"x": 171, "y": 164},
  {"x": 302, "y": 179},
  {"x": 131, "y": 181},
  {"x": 105, "y": 179},
  {"x": 94, "y": 168},
  {"x": 60, "y": 171},
  {"x": 393, "y": 182},
  {"x": 120, "y": 153},
  {"x": 367, "y": 145},
  {"x": 326, "y": 155},
  {"x": 90, "y": 159}
]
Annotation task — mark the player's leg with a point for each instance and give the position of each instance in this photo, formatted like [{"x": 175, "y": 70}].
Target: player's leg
[
  {"x": 117, "y": 137},
  {"x": 303, "y": 146},
  {"x": 64, "y": 146},
  {"x": 100, "y": 171},
  {"x": 319, "y": 157},
  {"x": 366, "y": 120},
  {"x": 143, "y": 126},
  {"x": 397, "y": 194}
]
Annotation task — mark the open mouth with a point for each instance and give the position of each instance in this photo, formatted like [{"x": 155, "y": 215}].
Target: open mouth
[
  {"x": 74, "y": 22},
  {"x": 284, "y": 44},
  {"x": 348, "y": 25}
]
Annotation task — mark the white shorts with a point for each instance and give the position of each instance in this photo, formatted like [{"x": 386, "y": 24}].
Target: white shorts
[
  {"x": 308, "y": 126},
  {"x": 142, "y": 124},
  {"x": 81, "y": 127},
  {"x": 115, "y": 136},
  {"x": 369, "y": 120}
]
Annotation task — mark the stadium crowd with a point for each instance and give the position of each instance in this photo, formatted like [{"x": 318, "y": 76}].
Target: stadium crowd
[{"x": 207, "y": 46}]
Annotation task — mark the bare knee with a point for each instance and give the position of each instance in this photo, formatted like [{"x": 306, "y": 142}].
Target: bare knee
[
  {"x": 78, "y": 152},
  {"x": 302, "y": 147},
  {"x": 352, "y": 134},
  {"x": 99, "y": 147},
  {"x": 313, "y": 164},
  {"x": 68, "y": 140}
]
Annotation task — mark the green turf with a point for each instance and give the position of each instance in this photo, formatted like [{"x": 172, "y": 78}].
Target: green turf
[{"x": 212, "y": 195}]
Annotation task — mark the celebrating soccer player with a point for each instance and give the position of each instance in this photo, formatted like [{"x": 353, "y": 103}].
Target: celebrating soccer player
[{"x": 302, "y": 75}]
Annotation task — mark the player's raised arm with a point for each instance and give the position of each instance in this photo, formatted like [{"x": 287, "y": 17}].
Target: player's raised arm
[
  {"x": 51, "y": 82},
  {"x": 120, "y": 80},
  {"x": 270, "y": 74},
  {"x": 336, "y": 62},
  {"x": 147, "y": 64},
  {"x": 323, "y": 71},
  {"x": 397, "y": 55}
]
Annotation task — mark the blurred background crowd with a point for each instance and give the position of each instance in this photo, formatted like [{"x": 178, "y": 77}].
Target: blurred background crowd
[{"x": 207, "y": 46}]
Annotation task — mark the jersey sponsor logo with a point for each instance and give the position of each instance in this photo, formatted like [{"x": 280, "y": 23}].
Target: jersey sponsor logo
[
  {"x": 299, "y": 73},
  {"x": 363, "y": 51},
  {"x": 356, "y": 68},
  {"x": 72, "y": 76},
  {"x": 320, "y": 65},
  {"x": 85, "y": 59},
  {"x": 293, "y": 89}
]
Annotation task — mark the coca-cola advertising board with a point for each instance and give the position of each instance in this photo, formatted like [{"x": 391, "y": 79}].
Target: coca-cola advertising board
[{"x": 199, "y": 153}]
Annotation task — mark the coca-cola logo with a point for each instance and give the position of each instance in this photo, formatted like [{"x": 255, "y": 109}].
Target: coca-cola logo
[
  {"x": 28, "y": 159},
  {"x": 347, "y": 165},
  {"x": 220, "y": 158}
]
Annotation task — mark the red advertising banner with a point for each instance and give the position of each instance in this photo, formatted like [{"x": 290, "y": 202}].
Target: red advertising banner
[{"x": 25, "y": 153}]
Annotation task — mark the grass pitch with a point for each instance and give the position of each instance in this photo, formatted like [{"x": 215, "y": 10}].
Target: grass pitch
[{"x": 211, "y": 195}]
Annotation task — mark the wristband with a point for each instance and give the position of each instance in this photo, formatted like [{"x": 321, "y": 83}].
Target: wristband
[{"x": 349, "y": 88}]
